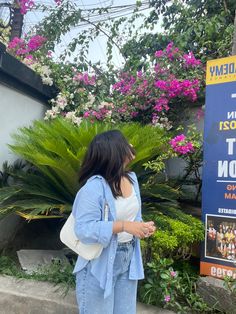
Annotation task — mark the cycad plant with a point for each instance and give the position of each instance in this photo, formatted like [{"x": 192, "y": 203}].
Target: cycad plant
[{"x": 55, "y": 150}]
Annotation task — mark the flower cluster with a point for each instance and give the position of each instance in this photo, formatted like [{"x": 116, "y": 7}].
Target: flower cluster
[
  {"x": 164, "y": 81},
  {"x": 24, "y": 50},
  {"x": 25, "y": 5},
  {"x": 84, "y": 78},
  {"x": 190, "y": 60},
  {"x": 171, "y": 52},
  {"x": 180, "y": 145},
  {"x": 21, "y": 47},
  {"x": 124, "y": 86},
  {"x": 146, "y": 96}
]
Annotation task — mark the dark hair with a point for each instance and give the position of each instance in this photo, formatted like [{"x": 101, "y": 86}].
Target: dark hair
[{"x": 106, "y": 156}]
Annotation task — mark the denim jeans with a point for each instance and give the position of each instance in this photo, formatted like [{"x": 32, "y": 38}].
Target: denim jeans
[{"x": 90, "y": 297}]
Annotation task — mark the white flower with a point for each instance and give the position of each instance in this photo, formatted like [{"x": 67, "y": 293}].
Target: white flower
[
  {"x": 91, "y": 99},
  {"x": 66, "y": 78},
  {"x": 109, "y": 113},
  {"x": 51, "y": 114},
  {"x": 103, "y": 104},
  {"x": 72, "y": 117},
  {"x": 61, "y": 101},
  {"x": 47, "y": 80}
]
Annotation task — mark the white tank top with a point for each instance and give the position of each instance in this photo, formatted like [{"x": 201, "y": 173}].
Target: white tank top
[{"x": 126, "y": 209}]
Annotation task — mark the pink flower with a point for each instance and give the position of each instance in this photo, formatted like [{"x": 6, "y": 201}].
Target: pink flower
[
  {"x": 86, "y": 114},
  {"x": 169, "y": 47},
  {"x": 139, "y": 74},
  {"x": 180, "y": 145},
  {"x": 49, "y": 54},
  {"x": 167, "y": 298},
  {"x": 84, "y": 78},
  {"x": 161, "y": 104},
  {"x": 190, "y": 60},
  {"x": 58, "y": 2},
  {"x": 78, "y": 77},
  {"x": 155, "y": 119},
  {"x": 134, "y": 114},
  {"x": 16, "y": 43},
  {"x": 25, "y": 5},
  {"x": 173, "y": 273},
  {"x": 171, "y": 50},
  {"x": 161, "y": 85},
  {"x": 29, "y": 60},
  {"x": 21, "y": 51},
  {"x": 159, "y": 53},
  {"x": 36, "y": 42},
  {"x": 124, "y": 86}
]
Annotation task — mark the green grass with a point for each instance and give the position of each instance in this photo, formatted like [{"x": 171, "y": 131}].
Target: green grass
[{"x": 60, "y": 274}]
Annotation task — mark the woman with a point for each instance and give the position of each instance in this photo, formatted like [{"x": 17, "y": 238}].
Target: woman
[
  {"x": 108, "y": 284},
  {"x": 219, "y": 237}
]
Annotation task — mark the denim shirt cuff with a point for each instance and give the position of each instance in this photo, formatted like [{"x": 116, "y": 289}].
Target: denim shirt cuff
[{"x": 105, "y": 234}]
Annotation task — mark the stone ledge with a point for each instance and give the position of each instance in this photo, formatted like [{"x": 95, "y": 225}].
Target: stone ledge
[
  {"x": 214, "y": 293},
  {"x": 20, "y": 296}
]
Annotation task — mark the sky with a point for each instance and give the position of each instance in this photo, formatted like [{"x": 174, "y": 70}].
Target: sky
[{"x": 97, "y": 50}]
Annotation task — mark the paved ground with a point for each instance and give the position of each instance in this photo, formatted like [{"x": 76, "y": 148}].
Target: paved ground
[{"x": 18, "y": 296}]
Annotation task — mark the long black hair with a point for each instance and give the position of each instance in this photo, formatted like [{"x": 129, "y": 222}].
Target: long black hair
[{"x": 106, "y": 156}]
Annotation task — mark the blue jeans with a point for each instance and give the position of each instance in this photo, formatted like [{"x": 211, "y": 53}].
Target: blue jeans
[{"x": 90, "y": 297}]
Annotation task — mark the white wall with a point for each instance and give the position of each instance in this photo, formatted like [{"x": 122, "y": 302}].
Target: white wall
[{"x": 16, "y": 110}]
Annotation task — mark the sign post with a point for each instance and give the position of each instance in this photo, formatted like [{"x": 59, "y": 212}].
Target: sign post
[{"x": 219, "y": 170}]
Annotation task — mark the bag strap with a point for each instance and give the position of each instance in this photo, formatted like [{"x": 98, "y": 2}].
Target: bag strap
[{"x": 106, "y": 206}]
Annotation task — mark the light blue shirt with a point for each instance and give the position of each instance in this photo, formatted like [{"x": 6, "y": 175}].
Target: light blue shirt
[{"x": 88, "y": 208}]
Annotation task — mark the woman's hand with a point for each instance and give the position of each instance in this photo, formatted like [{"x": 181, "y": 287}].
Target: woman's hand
[{"x": 139, "y": 229}]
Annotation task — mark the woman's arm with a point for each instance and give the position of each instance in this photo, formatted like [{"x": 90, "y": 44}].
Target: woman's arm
[{"x": 89, "y": 228}]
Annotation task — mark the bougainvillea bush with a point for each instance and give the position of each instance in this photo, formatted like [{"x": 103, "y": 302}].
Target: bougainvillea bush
[{"x": 170, "y": 81}]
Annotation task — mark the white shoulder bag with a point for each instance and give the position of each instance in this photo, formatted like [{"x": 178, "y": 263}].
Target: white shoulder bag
[{"x": 68, "y": 237}]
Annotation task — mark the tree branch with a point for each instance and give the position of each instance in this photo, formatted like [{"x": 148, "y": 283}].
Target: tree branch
[{"x": 102, "y": 31}]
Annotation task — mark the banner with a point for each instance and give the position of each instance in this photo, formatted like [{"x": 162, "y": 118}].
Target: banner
[{"x": 219, "y": 170}]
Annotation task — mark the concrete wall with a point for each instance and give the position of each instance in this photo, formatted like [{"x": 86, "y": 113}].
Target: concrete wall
[{"x": 16, "y": 110}]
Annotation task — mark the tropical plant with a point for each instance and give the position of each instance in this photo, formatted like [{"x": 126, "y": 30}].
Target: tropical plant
[{"x": 56, "y": 149}]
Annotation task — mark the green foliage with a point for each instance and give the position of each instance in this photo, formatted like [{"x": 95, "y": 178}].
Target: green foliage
[
  {"x": 56, "y": 150},
  {"x": 176, "y": 232},
  {"x": 58, "y": 273},
  {"x": 230, "y": 284},
  {"x": 204, "y": 27},
  {"x": 193, "y": 162},
  {"x": 175, "y": 290}
]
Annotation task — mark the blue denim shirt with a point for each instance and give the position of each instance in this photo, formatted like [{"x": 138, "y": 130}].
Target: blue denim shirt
[{"x": 88, "y": 208}]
